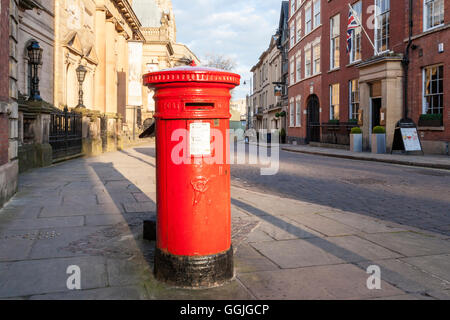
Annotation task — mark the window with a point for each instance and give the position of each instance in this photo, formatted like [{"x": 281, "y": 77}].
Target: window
[
  {"x": 433, "y": 93},
  {"x": 292, "y": 73},
  {"x": 299, "y": 27},
  {"x": 334, "y": 39},
  {"x": 433, "y": 13},
  {"x": 354, "y": 99},
  {"x": 292, "y": 7},
  {"x": 355, "y": 52},
  {"x": 291, "y": 113},
  {"x": 334, "y": 102},
  {"x": 292, "y": 33},
  {"x": 382, "y": 21},
  {"x": 298, "y": 114},
  {"x": 308, "y": 22},
  {"x": 316, "y": 58},
  {"x": 316, "y": 13},
  {"x": 298, "y": 63},
  {"x": 307, "y": 62}
]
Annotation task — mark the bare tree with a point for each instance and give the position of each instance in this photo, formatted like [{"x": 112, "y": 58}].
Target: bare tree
[{"x": 219, "y": 61}]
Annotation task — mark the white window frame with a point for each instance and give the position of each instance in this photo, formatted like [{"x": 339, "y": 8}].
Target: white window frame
[
  {"x": 355, "y": 35},
  {"x": 333, "y": 106},
  {"x": 424, "y": 96},
  {"x": 308, "y": 58},
  {"x": 335, "y": 38},
  {"x": 308, "y": 23},
  {"x": 291, "y": 113},
  {"x": 299, "y": 26},
  {"x": 350, "y": 100},
  {"x": 298, "y": 66},
  {"x": 426, "y": 15},
  {"x": 292, "y": 71},
  {"x": 377, "y": 14},
  {"x": 316, "y": 59},
  {"x": 298, "y": 111},
  {"x": 293, "y": 9},
  {"x": 317, "y": 17},
  {"x": 292, "y": 34}
]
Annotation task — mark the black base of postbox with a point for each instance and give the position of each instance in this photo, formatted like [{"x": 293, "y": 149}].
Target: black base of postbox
[{"x": 194, "y": 272}]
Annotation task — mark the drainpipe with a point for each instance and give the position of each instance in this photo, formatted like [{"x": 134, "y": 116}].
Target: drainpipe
[{"x": 405, "y": 64}]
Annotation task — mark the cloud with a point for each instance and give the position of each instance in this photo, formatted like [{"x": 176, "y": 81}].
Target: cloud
[{"x": 239, "y": 29}]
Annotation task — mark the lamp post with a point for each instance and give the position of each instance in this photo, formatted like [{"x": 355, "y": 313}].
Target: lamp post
[
  {"x": 35, "y": 59},
  {"x": 81, "y": 74},
  {"x": 250, "y": 101}
]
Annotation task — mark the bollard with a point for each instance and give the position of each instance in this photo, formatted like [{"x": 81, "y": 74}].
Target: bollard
[{"x": 193, "y": 245}]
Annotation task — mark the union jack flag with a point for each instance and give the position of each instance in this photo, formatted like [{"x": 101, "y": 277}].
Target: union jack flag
[{"x": 352, "y": 25}]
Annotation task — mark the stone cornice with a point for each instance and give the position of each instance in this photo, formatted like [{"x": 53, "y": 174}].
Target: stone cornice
[{"x": 130, "y": 17}]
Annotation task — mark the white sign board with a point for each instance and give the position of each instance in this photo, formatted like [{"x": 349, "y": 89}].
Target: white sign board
[
  {"x": 411, "y": 139},
  {"x": 200, "y": 139}
]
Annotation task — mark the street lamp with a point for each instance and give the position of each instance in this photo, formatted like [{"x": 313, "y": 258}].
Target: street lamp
[
  {"x": 81, "y": 74},
  {"x": 35, "y": 59}
]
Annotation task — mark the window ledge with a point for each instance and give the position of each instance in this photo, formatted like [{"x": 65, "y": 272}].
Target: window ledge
[
  {"x": 351, "y": 64},
  {"x": 334, "y": 70},
  {"x": 431, "y": 128}
]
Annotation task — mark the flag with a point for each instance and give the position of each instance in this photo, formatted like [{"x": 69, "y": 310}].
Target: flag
[{"x": 352, "y": 25}]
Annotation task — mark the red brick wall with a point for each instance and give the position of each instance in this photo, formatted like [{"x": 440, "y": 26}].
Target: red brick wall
[
  {"x": 4, "y": 51},
  {"x": 4, "y": 139},
  {"x": 425, "y": 55}
]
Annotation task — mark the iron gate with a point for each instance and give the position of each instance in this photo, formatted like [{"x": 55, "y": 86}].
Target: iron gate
[{"x": 65, "y": 133}]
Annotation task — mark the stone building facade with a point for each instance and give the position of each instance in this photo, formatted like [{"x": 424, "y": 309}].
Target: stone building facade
[
  {"x": 8, "y": 106},
  {"x": 269, "y": 98},
  {"x": 333, "y": 90}
]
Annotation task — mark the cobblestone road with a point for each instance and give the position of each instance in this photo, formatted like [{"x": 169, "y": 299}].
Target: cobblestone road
[{"x": 411, "y": 196}]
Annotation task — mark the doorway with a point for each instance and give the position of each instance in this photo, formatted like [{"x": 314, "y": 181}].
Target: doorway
[
  {"x": 313, "y": 123},
  {"x": 376, "y": 112}
]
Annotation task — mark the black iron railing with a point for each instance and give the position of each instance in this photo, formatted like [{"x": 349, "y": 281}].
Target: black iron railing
[
  {"x": 65, "y": 134},
  {"x": 336, "y": 133}
]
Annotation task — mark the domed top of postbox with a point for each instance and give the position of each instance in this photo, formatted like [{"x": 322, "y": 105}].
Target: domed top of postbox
[{"x": 191, "y": 74}]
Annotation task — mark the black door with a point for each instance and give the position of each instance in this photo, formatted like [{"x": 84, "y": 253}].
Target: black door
[
  {"x": 376, "y": 112},
  {"x": 313, "y": 123}
]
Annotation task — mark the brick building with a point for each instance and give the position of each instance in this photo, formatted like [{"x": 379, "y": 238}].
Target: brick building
[{"x": 332, "y": 90}]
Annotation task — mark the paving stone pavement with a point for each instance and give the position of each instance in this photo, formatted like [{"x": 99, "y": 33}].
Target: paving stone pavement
[{"x": 89, "y": 213}]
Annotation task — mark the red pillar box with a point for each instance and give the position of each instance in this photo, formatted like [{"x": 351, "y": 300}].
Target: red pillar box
[{"x": 193, "y": 247}]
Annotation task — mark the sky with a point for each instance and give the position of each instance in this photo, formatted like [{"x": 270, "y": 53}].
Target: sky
[{"x": 238, "y": 29}]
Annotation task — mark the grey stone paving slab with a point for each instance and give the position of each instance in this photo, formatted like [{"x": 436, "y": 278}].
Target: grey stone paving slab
[
  {"x": 343, "y": 281},
  {"x": 410, "y": 243},
  {"x": 104, "y": 219},
  {"x": 139, "y": 206},
  {"x": 40, "y": 223},
  {"x": 79, "y": 210},
  {"x": 143, "y": 197},
  {"x": 32, "y": 277},
  {"x": 258, "y": 236},
  {"x": 128, "y": 272},
  {"x": 14, "y": 248},
  {"x": 230, "y": 291},
  {"x": 407, "y": 277},
  {"x": 287, "y": 230},
  {"x": 247, "y": 259},
  {"x": 296, "y": 253},
  {"x": 109, "y": 293},
  {"x": 363, "y": 223},
  {"x": 59, "y": 246},
  {"x": 117, "y": 198},
  {"x": 324, "y": 225},
  {"x": 20, "y": 212},
  {"x": 437, "y": 265}
]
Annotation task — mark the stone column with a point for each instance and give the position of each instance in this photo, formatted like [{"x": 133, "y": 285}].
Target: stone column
[
  {"x": 111, "y": 67},
  {"x": 100, "y": 46},
  {"x": 364, "y": 93}
]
